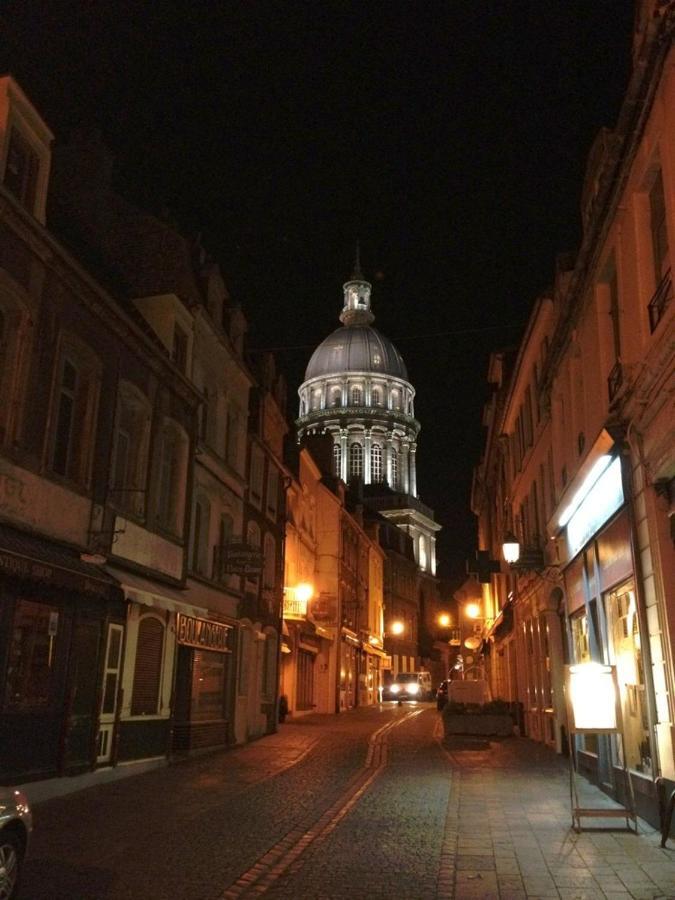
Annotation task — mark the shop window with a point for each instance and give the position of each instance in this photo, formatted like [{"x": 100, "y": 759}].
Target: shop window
[
  {"x": 376, "y": 463},
  {"x": 21, "y": 170},
  {"x": 356, "y": 460},
  {"x": 148, "y": 666},
  {"x": 208, "y": 685},
  {"x": 32, "y": 655},
  {"x": 130, "y": 455},
  {"x": 625, "y": 652},
  {"x": 75, "y": 401}
]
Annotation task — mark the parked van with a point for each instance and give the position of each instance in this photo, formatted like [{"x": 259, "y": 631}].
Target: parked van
[{"x": 409, "y": 686}]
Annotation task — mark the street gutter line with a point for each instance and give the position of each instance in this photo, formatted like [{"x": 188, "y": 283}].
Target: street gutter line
[{"x": 285, "y": 854}]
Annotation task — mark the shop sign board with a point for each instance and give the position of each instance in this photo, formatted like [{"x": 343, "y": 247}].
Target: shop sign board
[
  {"x": 241, "y": 559},
  {"x": 600, "y": 503},
  {"x": 202, "y": 633}
]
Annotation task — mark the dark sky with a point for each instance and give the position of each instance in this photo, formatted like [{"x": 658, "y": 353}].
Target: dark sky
[{"x": 449, "y": 137}]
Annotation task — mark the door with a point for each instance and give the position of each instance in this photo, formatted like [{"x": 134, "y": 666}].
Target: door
[
  {"x": 81, "y": 708},
  {"x": 112, "y": 669}
]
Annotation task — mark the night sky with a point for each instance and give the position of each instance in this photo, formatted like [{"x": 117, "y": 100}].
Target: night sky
[{"x": 450, "y": 138}]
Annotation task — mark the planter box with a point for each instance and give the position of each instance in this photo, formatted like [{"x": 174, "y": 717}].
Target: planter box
[{"x": 472, "y": 723}]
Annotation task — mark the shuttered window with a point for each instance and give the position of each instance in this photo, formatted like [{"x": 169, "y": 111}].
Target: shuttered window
[{"x": 148, "y": 668}]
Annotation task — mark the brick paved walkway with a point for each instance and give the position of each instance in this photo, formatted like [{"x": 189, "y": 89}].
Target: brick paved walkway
[{"x": 371, "y": 803}]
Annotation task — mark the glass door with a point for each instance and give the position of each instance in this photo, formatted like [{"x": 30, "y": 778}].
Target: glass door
[{"x": 111, "y": 678}]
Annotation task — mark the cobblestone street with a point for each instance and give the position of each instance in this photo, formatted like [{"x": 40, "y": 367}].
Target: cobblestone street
[{"x": 370, "y": 803}]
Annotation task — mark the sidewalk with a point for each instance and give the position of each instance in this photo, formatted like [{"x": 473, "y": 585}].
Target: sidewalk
[{"x": 508, "y": 833}]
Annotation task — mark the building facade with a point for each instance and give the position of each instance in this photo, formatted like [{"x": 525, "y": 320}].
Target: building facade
[{"x": 581, "y": 461}]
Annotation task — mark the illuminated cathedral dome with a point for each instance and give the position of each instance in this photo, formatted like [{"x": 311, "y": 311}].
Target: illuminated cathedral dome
[{"x": 356, "y": 348}]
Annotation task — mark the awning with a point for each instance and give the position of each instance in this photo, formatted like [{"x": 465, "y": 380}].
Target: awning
[
  {"x": 25, "y": 555},
  {"x": 151, "y": 593},
  {"x": 375, "y": 651}
]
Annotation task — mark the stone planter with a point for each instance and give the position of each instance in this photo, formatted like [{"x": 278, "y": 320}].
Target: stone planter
[{"x": 476, "y": 723}]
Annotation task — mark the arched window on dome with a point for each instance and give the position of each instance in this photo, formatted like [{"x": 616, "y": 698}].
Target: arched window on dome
[
  {"x": 316, "y": 399},
  {"x": 336, "y": 396},
  {"x": 355, "y": 461},
  {"x": 356, "y": 395},
  {"x": 394, "y": 468},
  {"x": 376, "y": 463},
  {"x": 337, "y": 460},
  {"x": 302, "y": 407},
  {"x": 376, "y": 397},
  {"x": 395, "y": 399}
]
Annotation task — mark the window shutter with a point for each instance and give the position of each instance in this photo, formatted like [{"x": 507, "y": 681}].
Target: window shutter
[{"x": 148, "y": 667}]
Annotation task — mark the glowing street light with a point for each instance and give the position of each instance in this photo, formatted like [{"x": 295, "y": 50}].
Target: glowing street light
[
  {"x": 396, "y": 627},
  {"x": 304, "y": 592},
  {"x": 444, "y": 620},
  {"x": 472, "y": 610}
]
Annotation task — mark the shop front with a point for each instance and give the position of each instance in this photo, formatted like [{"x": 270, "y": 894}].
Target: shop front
[
  {"x": 606, "y": 622},
  {"x": 61, "y": 633},
  {"x": 204, "y": 672}
]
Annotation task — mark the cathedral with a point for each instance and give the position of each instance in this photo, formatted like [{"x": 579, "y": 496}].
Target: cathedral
[{"x": 356, "y": 388}]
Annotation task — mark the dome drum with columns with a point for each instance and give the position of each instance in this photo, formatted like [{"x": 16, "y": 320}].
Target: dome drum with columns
[{"x": 356, "y": 389}]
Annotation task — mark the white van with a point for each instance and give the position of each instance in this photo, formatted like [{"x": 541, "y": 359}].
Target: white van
[{"x": 409, "y": 686}]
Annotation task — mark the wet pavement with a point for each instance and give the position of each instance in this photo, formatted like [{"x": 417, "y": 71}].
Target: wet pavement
[{"x": 371, "y": 803}]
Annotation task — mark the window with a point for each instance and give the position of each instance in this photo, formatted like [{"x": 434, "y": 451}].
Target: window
[
  {"x": 256, "y": 476},
  {"x": 395, "y": 399},
  {"x": 355, "y": 461},
  {"x": 200, "y": 537},
  {"x": 253, "y": 540},
  {"x": 233, "y": 437},
  {"x": 171, "y": 477},
  {"x": 74, "y": 413},
  {"x": 394, "y": 468},
  {"x": 148, "y": 666},
  {"x": 225, "y": 530},
  {"x": 657, "y": 209},
  {"x": 423, "y": 552},
  {"x": 32, "y": 656},
  {"x": 204, "y": 417},
  {"x": 336, "y": 397},
  {"x": 357, "y": 395},
  {"x": 270, "y": 666},
  {"x": 208, "y": 685},
  {"x": 316, "y": 399},
  {"x": 270, "y": 565},
  {"x": 337, "y": 460},
  {"x": 376, "y": 463},
  {"x": 21, "y": 170},
  {"x": 272, "y": 500},
  {"x": 376, "y": 397},
  {"x": 130, "y": 453},
  {"x": 179, "y": 351}
]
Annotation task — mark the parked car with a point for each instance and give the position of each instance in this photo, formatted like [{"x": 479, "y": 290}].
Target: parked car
[
  {"x": 442, "y": 694},
  {"x": 16, "y": 823},
  {"x": 409, "y": 686}
]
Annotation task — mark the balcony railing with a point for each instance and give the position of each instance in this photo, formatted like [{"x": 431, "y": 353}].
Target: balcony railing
[{"x": 659, "y": 303}]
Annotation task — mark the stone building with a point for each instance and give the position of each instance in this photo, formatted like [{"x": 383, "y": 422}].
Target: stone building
[{"x": 580, "y": 462}]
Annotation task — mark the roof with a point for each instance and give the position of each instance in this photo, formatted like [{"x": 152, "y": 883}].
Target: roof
[{"x": 356, "y": 348}]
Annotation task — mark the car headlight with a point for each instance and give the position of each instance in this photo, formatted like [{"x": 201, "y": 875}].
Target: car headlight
[
  {"x": 394, "y": 689},
  {"x": 413, "y": 688}
]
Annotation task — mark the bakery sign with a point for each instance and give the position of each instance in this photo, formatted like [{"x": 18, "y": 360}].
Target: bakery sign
[{"x": 202, "y": 633}]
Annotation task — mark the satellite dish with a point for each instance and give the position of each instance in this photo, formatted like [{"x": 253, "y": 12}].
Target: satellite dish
[{"x": 472, "y": 643}]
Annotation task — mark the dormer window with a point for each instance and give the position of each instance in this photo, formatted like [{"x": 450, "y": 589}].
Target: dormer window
[{"x": 21, "y": 170}]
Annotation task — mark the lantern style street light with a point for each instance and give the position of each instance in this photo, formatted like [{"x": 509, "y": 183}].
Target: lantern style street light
[
  {"x": 444, "y": 620},
  {"x": 511, "y": 548}
]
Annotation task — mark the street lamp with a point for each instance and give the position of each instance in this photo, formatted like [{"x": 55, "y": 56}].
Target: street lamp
[
  {"x": 444, "y": 620},
  {"x": 396, "y": 627},
  {"x": 523, "y": 558},
  {"x": 511, "y": 548},
  {"x": 472, "y": 611}
]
